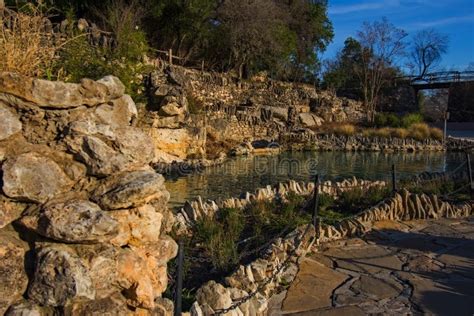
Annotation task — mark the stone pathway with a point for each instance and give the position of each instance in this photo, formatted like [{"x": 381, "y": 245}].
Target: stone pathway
[{"x": 417, "y": 267}]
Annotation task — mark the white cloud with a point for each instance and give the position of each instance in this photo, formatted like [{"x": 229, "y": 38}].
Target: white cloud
[
  {"x": 363, "y": 6},
  {"x": 444, "y": 21}
]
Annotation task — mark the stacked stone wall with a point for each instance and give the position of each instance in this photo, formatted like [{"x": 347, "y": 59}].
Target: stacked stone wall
[{"x": 83, "y": 216}]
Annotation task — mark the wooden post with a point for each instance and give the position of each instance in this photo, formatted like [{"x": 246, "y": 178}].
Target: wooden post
[
  {"x": 446, "y": 118},
  {"x": 202, "y": 66},
  {"x": 170, "y": 56},
  {"x": 394, "y": 179},
  {"x": 179, "y": 281},
  {"x": 316, "y": 206},
  {"x": 469, "y": 174}
]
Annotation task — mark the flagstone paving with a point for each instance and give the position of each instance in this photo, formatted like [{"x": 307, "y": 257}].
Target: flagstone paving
[{"x": 417, "y": 267}]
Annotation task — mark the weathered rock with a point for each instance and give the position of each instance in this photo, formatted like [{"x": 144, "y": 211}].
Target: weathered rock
[
  {"x": 28, "y": 308},
  {"x": 163, "y": 307},
  {"x": 111, "y": 305},
  {"x": 13, "y": 278},
  {"x": 310, "y": 120},
  {"x": 32, "y": 177},
  {"x": 137, "y": 226},
  {"x": 177, "y": 142},
  {"x": 117, "y": 113},
  {"x": 215, "y": 295},
  {"x": 73, "y": 221},
  {"x": 141, "y": 279},
  {"x": 127, "y": 190},
  {"x": 128, "y": 149},
  {"x": 9, "y": 211},
  {"x": 10, "y": 123},
  {"x": 171, "y": 109},
  {"x": 57, "y": 94},
  {"x": 60, "y": 277},
  {"x": 99, "y": 157}
]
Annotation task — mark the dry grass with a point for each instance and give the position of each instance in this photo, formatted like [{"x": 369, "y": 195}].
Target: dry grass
[
  {"x": 28, "y": 45},
  {"x": 436, "y": 133},
  {"x": 400, "y": 133},
  {"x": 344, "y": 129},
  {"x": 419, "y": 131}
]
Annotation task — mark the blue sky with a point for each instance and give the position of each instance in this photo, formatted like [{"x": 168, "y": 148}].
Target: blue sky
[{"x": 454, "y": 18}]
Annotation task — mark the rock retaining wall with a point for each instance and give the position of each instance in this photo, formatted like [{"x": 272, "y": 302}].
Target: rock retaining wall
[{"x": 83, "y": 216}]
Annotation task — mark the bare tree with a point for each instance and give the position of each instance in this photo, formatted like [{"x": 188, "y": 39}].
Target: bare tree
[
  {"x": 381, "y": 44},
  {"x": 426, "y": 50}
]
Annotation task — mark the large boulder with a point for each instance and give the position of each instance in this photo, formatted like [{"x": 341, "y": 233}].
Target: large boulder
[
  {"x": 141, "y": 279},
  {"x": 10, "y": 123},
  {"x": 310, "y": 120},
  {"x": 13, "y": 278},
  {"x": 33, "y": 177},
  {"x": 73, "y": 221},
  {"x": 128, "y": 190},
  {"x": 215, "y": 295},
  {"x": 110, "y": 150},
  {"x": 57, "y": 94},
  {"x": 137, "y": 226},
  {"x": 60, "y": 277},
  {"x": 117, "y": 113}
]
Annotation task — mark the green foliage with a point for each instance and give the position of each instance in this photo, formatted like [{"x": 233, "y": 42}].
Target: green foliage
[
  {"x": 387, "y": 120},
  {"x": 358, "y": 199},
  {"x": 341, "y": 73},
  {"x": 412, "y": 118},
  {"x": 218, "y": 237}
]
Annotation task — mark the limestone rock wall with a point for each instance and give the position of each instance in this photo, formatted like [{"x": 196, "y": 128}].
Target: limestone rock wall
[{"x": 83, "y": 216}]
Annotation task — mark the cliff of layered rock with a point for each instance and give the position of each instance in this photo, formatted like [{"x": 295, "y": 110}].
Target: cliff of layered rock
[{"x": 83, "y": 216}]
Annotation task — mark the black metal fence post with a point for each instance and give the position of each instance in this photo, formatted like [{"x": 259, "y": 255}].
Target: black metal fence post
[
  {"x": 179, "y": 281},
  {"x": 394, "y": 179},
  {"x": 315, "y": 206},
  {"x": 469, "y": 173}
]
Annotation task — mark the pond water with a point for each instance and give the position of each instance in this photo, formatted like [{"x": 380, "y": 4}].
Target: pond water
[{"x": 242, "y": 174}]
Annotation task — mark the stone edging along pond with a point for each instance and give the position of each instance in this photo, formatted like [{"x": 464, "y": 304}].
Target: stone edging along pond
[{"x": 247, "y": 290}]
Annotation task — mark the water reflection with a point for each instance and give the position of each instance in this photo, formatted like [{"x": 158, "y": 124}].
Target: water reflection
[{"x": 246, "y": 174}]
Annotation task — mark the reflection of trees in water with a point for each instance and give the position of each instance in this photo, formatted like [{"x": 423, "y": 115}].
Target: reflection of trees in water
[{"x": 246, "y": 174}]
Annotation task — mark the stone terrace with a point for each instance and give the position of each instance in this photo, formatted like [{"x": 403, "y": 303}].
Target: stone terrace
[{"x": 415, "y": 267}]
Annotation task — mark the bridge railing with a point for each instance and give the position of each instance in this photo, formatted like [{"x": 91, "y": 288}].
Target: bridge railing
[{"x": 440, "y": 77}]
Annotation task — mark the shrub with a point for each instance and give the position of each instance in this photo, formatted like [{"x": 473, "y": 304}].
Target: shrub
[
  {"x": 419, "y": 131},
  {"x": 382, "y": 132},
  {"x": 344, "y": 129},
  {"x": 412, "y": 118},
  {"x": 393, "y": 120},
  {"x": 400, "y": 132},
  {"x": 219, "y": 236},
  {"x": 27, "y": 47},
  {"x": 380, "y": 120},
  {"x": 436, "y": 133}
]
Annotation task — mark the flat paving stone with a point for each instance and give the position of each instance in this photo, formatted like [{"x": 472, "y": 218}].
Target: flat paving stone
[
  {"x": 416, "y": 267},
  {"x": 367, "y": 259},
  {"x": 313, "y": 287}
]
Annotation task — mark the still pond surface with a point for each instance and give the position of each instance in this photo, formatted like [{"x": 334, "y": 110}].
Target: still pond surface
[{"x": 239, "y": 175}]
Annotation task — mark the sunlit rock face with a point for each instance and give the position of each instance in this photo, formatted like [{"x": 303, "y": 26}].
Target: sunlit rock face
[{"x": 83, "y": 216}]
